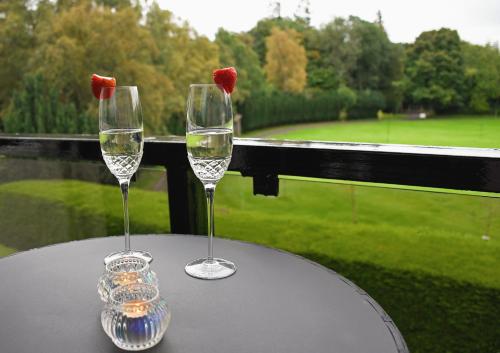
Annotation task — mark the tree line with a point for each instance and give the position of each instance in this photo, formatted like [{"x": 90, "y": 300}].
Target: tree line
[{"x": 289, "y": 71}]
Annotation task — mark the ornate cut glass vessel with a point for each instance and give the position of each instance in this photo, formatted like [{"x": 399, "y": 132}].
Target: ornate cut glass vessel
[
  {"x": 136, "y": 317},
  {"x": 123, "y": 271}
]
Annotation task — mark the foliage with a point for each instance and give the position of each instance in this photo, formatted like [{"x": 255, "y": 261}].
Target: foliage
[
  {"x": 435, "y": 71},
  {"x": 368, "y": 103},
  {"x": 145, "y": 45},
  {"x": 36, "y": 108},
  {"x": 177, "y": 124},
  {"x": 482, "y": 69},
  {"x": 233, "y": 51},
  {"x": 111, "y": 41},
  {"x": 183, "y": 57},
  {"x": 347, "y": 98},
  {"x": 16, "y": 46},
  {"x": 376, "y": 63},
  {"x": 263, "y": 29},
  {"x": 71, "y": 50},
  {"x": 354, "y": 52},
  {"x": 279, "y": 108},
  {"x": 333, "y": 54},
  {"x": 285, "y": 60}
]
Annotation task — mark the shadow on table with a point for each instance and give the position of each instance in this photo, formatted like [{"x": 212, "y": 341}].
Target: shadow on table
[{"x": 434, "y": 314}]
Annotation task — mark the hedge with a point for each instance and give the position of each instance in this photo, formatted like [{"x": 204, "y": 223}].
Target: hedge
[{"x": 263, "y": 110}]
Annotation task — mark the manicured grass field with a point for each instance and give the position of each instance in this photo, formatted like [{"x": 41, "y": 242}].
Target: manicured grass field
[
  {"x": 419, "y": 253},
  {"x": 462, "y": 131},
  {"x": 4, "y": 250},
  {"x": 65, "y": 210},
  {"x": 392, "y": 228}
]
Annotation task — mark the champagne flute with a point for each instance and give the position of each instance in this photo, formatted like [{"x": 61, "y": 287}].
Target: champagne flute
[
  {"x": 121, "y": 138},
  {"x": 209, "y": 140}
]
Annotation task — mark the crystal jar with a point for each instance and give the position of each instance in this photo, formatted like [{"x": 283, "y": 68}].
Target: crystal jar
[
  {"x": 135, "y": 317},
  {"x": 123, "y": 271}
]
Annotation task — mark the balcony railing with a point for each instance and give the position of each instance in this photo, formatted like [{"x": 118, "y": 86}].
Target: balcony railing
[{"x": 474, "y": 169}]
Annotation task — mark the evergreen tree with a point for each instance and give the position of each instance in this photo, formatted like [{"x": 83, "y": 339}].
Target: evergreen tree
[{"x": 36, "y": 108}]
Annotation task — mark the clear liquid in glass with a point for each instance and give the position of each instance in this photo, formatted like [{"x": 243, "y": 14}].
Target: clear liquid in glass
[
  {"x": 122, "y": 150},
  {"x": 209, "y": 152}
]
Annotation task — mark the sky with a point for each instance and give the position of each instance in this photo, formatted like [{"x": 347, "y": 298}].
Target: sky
[{"x": 476, "y": 21}]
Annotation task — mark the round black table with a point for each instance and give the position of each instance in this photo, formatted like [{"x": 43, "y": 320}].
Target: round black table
[{"x": 275, "y": 303}]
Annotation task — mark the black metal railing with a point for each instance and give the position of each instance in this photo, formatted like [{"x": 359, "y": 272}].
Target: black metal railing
[{"x": 475, "y": 169}]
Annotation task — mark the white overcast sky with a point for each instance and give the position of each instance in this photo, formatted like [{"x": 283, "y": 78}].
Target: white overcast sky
[{"x": 477, "y": 21}]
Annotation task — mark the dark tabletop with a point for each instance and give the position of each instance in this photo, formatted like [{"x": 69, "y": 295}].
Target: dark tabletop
[{"x": 275, "y": 303}]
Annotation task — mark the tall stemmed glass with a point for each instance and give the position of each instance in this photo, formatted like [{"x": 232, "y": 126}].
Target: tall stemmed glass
[
  {"x": 209, "y": 140},
  {"x": 121, "y": 138}
]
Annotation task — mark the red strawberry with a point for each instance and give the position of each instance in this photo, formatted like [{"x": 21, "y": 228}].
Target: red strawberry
[
  {"x": 226, "y": 78},
  {"x": 99, "y": 82}
]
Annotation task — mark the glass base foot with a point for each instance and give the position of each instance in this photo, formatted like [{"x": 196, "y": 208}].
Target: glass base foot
[
  {"x": 210, "y": 269},
  {"x": 136, "y": 253}
]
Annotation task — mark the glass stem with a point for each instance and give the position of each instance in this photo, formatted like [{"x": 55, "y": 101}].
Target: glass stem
[
  {"x": 124, "y": 185},
  {"x": 209, "y": 193}
]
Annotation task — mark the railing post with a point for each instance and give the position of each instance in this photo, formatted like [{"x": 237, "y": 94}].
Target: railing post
[
  {"x": 266, "y": 184},
  {"x": 186, "y": 200}
]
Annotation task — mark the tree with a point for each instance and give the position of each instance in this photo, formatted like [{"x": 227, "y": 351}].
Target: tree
[
  {"x": 263, "y": 29},
  {"x": 110, "y": 42},
  {"x": 379, "y": 21},
  {"x": 303, "y": 11},
  {"x": 275, "y": 8},
  {"x": 233, "y": 51},
  {"x": 286, "y": 60},
  {"x": 322, "y": 72},
  {"x": 377, "y": 63},
  {"x": 36, "y": 108},
  {"x": 355, "y": 53},
  {"x": 183, "y": 56},
  {"x": 435, "y": 71},
  {"x": 333, "y": 55},
  {"x": 482, "y": 72},
  {"x": 16, "y": 45}
]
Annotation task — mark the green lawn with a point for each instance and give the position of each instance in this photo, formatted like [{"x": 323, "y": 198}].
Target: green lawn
[
  {"x": 392, "y": 228},
  {"x": 4, "y": 250},
  {"x": 419, "y": 253},
  {"x": 463, "y": 131},
  {"x": 64, "y": 210}
]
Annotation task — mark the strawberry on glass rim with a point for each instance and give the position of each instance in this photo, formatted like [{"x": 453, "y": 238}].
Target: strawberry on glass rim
[
  {"x": 226, "y": 78},
  {"x": 99, "y": 82}
]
